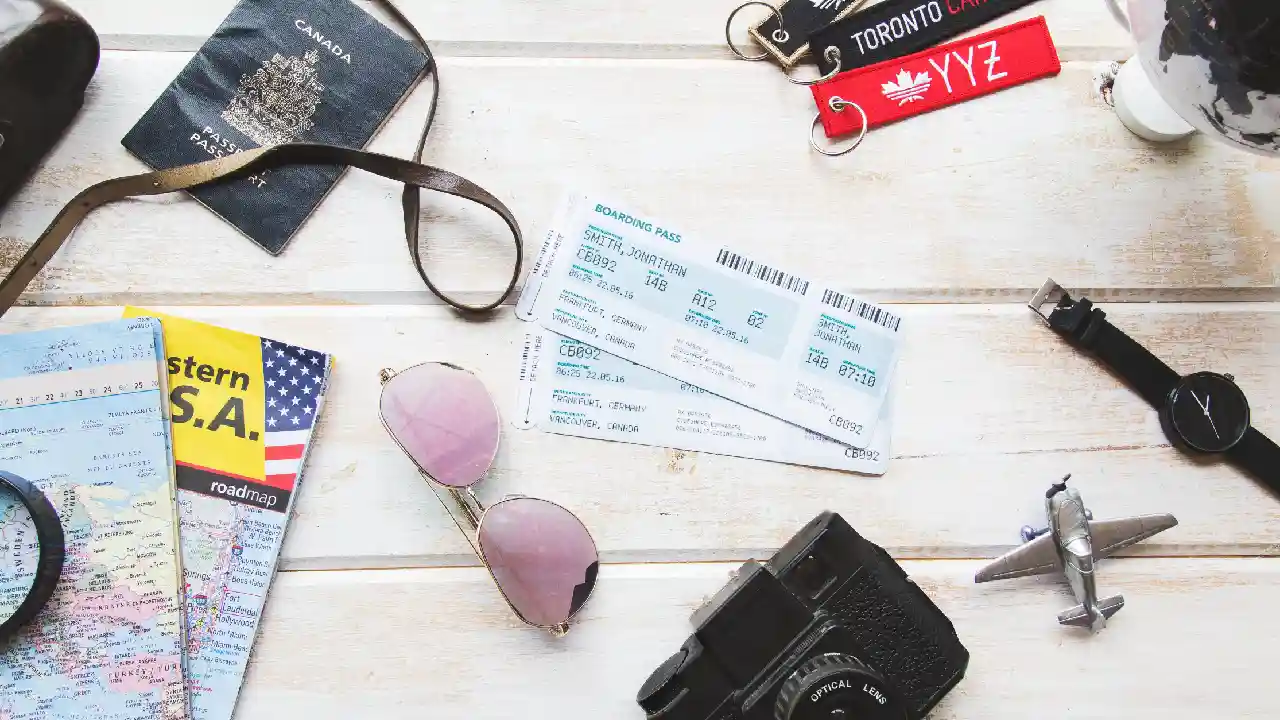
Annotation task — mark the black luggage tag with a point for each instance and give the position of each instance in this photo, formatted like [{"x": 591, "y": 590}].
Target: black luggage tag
[
  {"x": 785, "y": 33},
  {"x": 896, "y": 28}
]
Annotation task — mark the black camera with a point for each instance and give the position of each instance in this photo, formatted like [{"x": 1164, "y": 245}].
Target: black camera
[{"x": 830, "y": 628}]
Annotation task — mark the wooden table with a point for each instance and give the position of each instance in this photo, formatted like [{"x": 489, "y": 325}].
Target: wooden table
[{"x": 381, "y": 610}]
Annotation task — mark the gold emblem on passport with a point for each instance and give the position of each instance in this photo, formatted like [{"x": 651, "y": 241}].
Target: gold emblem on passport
[{"x": 275, "y": 104}]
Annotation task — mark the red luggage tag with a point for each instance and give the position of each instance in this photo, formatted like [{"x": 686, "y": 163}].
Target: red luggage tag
[{"x": 945, "y": 75}]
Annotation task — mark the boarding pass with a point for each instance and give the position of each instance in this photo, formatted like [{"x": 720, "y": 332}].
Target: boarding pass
[
  {"x": 613, "y": 278},
  {"x": 571, "y": 388}
]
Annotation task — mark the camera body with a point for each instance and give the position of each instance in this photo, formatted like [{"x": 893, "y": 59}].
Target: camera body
[{"x": 830, "y": 628}]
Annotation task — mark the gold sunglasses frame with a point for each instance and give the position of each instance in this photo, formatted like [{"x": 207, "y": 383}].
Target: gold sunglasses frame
[{"x": 470, "y": 506}]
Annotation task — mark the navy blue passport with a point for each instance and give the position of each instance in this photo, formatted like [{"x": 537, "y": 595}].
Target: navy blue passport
[{"x": 278, "y": 71}]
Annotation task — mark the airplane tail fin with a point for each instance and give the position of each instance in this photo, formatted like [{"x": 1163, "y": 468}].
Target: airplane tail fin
[{"x": 1079, "y": 616}]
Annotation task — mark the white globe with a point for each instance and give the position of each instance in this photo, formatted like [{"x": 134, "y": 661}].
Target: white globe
[{"x": 1216, "y": 63}]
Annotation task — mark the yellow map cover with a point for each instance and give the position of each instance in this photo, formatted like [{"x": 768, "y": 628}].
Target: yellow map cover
[{"x": 244, "y": 409}]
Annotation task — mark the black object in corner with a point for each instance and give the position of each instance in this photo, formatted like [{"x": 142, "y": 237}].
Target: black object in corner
[{"x": 48, "y": 55}]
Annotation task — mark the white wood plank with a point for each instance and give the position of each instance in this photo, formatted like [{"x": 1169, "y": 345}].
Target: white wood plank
[
  {"x": 963, "y": 204},
  {"x": 973, "y": 204},
  {"x": 1195, "y": 640},
  {"x": 578, "y": 28},
  {"x": 993, "y": 408}
]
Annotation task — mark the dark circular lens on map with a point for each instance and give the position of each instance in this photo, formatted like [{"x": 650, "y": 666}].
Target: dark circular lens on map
[
  {"x": 32, "y": 550},
  {"x": 19, "y": 552}
]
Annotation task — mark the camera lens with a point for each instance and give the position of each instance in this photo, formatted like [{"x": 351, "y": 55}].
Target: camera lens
[
  {"x": 659, "y": 690},
  {"x": 837, "y": 687}
]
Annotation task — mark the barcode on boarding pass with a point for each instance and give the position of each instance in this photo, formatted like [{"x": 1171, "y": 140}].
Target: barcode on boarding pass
[
  {"x": 866, "y": 311},
  {"x": 786, "y": 281},
  {"x": 529, "y": 356}
]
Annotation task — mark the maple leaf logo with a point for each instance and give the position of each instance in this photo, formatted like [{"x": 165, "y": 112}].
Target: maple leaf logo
[{"x": 907, "y": 88}]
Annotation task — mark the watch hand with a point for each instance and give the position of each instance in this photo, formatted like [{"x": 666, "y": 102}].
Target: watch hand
[
  {"x": 1203, "y": 406},
  {"x": 1215, "y": 427},
  {"x": 1207, "y": 400}
]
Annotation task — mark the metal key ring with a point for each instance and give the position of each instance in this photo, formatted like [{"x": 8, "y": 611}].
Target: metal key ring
[
  {"x": 779, "y": 35},
  {"x": 832, "y": 53},
  {"x": 838, "y": 104}
]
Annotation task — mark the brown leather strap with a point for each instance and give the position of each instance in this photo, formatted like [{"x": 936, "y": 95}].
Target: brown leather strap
[
  {"x": 411, "y": 199},
  {"x": 414, "y": 175},
  {"x": 435, "y": 88},
  {"x": 249, "y": 162}
]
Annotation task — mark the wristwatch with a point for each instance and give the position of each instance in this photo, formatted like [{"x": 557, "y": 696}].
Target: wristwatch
[
  {"x": 52, "y": 552},
  {"x": 1203, "y": 413}
]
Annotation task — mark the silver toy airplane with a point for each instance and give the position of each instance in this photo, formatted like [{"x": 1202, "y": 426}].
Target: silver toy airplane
[{"x": 1068, "y": 546}]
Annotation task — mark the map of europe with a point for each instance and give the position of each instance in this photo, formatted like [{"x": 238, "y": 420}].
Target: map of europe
[{"x": 82, "y": 417}]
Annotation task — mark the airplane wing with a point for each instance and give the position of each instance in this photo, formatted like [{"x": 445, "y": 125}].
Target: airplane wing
[
  {"x": 1110, "y": 536},
  {"x": 1037, "y": 557}
]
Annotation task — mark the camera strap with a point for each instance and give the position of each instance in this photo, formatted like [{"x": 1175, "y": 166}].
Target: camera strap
[
  {"x": 52, "y": 552},
  {"x": 415, "y": 176}
]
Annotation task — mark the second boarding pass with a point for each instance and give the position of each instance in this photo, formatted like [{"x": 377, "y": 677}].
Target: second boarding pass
[
  {"x": 570, "y": 388},
  {"x": 615, "y": 279}
]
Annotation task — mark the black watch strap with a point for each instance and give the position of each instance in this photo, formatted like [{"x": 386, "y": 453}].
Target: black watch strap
[
  {"x": 1259, "y": 456},
  {"x": 1087, "y": 327},
  {"x": 52, "y": 552}
]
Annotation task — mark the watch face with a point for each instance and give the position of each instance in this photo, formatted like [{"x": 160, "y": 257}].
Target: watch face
[{"x": 1209, "y": 412}]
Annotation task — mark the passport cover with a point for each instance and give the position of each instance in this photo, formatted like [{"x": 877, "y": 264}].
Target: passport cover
[{"x": 278, "y": 71}]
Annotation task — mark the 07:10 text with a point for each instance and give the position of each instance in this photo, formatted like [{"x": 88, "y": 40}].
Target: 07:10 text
[{"x": 857, "y": 374}]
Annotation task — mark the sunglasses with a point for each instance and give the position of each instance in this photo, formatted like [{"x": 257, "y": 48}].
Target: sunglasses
[{"x": 539, "y": 554}]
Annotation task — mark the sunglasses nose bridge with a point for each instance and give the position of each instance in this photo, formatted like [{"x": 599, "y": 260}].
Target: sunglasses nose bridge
[{"x": 472, "y": 509}]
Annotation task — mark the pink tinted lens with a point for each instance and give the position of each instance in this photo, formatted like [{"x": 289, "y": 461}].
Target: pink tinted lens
[
  {"x": 542, "y": 557},
  {"x": 445, "y": 419}
]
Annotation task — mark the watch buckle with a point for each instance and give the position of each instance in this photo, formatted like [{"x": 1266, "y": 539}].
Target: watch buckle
[{"x": 1049, "y": 292}]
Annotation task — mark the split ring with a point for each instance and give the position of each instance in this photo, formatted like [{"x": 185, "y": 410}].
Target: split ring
[
  {"x": 832, "y": 53},
  {"x": 838, "y": 104},
  {"x": 728, "y": 26}
]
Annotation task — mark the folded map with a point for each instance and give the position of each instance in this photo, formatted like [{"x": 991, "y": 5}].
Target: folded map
[
  {"x": 83, "y": 415},
  {"x": 244, "y": 410}
]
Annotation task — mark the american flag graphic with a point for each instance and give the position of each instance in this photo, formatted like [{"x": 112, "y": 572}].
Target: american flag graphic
[{"x": 294, "y": 380}]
